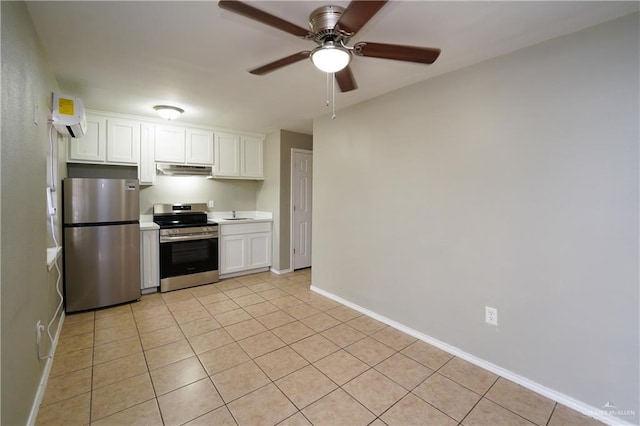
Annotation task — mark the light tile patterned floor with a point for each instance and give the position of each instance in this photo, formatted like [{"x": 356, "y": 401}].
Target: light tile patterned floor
[{"x": 265, "y": 350}]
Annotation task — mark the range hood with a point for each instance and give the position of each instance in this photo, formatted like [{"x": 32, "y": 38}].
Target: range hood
[{"x": 183, "y": 170}]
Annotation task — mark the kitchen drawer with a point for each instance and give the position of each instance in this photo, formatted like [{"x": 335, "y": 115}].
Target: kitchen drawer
[{"x": 245, "y": 228}]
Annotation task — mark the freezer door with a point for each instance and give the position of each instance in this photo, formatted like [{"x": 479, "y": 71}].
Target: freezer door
[
  {"x": 100, "y": 200},
  {"x": 102, "y": 266}
]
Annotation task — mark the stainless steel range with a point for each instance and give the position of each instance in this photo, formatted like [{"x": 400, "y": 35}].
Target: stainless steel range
[{"x": 188, "y": 246}]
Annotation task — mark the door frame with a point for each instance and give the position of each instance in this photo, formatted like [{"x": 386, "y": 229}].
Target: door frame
[{"x": 291, "y": 224}]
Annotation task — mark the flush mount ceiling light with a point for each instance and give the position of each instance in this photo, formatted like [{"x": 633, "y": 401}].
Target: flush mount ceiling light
[
  {"x": 330, "y": 58},
  {"x": 168, "y": 112}
]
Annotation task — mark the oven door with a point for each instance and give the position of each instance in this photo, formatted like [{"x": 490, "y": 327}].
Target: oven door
[{"x": 184, "y": 256}]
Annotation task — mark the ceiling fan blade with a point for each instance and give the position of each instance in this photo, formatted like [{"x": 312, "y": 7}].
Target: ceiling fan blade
[
  {"x": 266, "y": 18},
  {"x": 423, "y": 55},
  {"x": 272, "y": 66},
  {"x": 358, "y": 14},
  {"x": 345, "y": 80}
]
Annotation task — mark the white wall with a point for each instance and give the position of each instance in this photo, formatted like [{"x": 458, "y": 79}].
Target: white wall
[
  {"x": 268, "y": 198},
  {"x": 512, "y": 184}
]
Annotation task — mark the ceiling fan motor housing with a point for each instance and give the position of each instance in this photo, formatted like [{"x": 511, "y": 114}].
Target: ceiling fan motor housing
[{"x": 323, "y": 21}]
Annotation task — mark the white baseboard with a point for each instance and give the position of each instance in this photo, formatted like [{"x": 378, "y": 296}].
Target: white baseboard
[
  {"x": 282, "y": 271},
  {"x": 559, "y": 397},
  {"x": 42, "y": 387}
]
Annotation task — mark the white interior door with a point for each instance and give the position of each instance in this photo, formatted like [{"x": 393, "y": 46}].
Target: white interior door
[{"x": 301, "y": 180}]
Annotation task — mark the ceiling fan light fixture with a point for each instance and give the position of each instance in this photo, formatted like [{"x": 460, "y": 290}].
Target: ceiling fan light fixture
[
  {"x": 330, "y": 58},
  {"x": 168, "y": 112}
]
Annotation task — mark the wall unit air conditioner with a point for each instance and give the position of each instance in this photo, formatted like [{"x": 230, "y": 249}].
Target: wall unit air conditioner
[{"x": 68, "y": 115}]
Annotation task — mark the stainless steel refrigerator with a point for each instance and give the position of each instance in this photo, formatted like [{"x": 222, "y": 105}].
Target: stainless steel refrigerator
[{"x": 101, "y": 242}]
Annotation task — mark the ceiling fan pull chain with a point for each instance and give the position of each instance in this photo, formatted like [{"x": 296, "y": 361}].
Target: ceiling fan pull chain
[
  {"x": 327, "y": 94},
  {"x": 333, "y": 96}
]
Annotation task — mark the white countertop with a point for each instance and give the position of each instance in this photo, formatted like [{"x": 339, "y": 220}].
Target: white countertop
[
  {"x": 223, "y": 218},
  {"x": 148, "y": 226}
]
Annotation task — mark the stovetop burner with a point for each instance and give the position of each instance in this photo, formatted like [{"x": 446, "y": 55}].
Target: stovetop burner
[{"x": 180, "y": 215}]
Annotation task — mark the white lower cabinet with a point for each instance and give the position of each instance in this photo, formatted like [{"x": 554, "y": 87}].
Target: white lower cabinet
[
  {"x": 149, "y": 259},
  {"x": 245, "y": 247}
]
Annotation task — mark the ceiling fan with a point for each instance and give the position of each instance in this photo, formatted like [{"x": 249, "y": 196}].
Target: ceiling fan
[{"x": 331, "y": 28}]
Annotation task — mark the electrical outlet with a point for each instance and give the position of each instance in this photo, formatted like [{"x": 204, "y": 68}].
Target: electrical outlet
[
  {"x": 491, "y": 315},
  {"x": 211, "y": 204}
]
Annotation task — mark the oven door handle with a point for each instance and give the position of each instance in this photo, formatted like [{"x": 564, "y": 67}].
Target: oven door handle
[{"x": 193, "y": 237}]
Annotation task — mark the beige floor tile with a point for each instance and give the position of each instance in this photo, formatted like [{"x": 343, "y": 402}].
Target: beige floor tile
[
  {"x": 221, "y": 307},
  {"x": 149, "y": 324},
  {"x": 67, "y": 385},
  {"x": 286, "y": 302},
  {"x": 448, "y": 396},
  {"x": 232, "y": 317},
  {"x": 265, "y": 406},
  {"x": 218, "y": 417},
  {"x": 119, "y": 321},
  {"x": 239, "y": 380},
  {"x": 366, "y": 325},
  {"x": 297, "y": 419},
  {"x": 248, "y": 300},
  {"x": 171, "y": 377},
  {"x": 411, "y": 410},
  {"x": 210, "y": 340},
  {"x": 111, "y": 334},
  {"x": 261, "y": 344},
  {"x": 280, "y": 362},
  {"x": 315, "y": 347},
  {"x": 212, "y": 298},
  {"x": 151, "y": 311},
  {"x": 564, "y": 416},
  {"x": 113, "y": 311},
  {"x": 70, "y": 319},
  {"x": 301, "y": 311},
  {"x": 121, "y": 395},
  {"x": 147, "y": 301},
  {"x": 118, "y": 369},
  {"x": 76, "y": 328},
  {"x": 528, "y": 404},
  {"x": 167, "y": 354},
  {"x": 320, "y": 322},
  {"x": 370, "y": 351},
  {"x": 262, "y": 286},
  {"x": 72, "y": 361},
  {"x": 321, "y": 302},
  {"x": 489, "y": 413},
  {"x": 177, "y": 296},
  {"x": 204, "y": 290},
  {"x": 228, "y": 284},
  {"x": 306, "y": 386},
  {"x": 262, "y": 308},
  {"x": 375, "y": 391},
  {"x": 343, "y": 313},
  {"x": 72, "y": 411},
  {"x": 338, "y": 408},
  {"x": 116, "y": 349},
  {"x": 275, "y": 319},
  {"x": 245, "y": 329},
  {"x": 249, "y": 279},
  {"x": 394, "y": 338},
  {"x": 293, "y": 332},
  {"x": 273, "y": 293},
  {"x": 189, "y": 402},
  {"x": 341, "y": 366},
  {"x": 161, "y": 337},
  {"x": 473, "y": 377},
  {"x": 404, "y": 371},
  {"x": 199, "y": 326},
  {"x": 427, "y": 354},
  {"x": 343, "y": 335},
  {"x": 74, "y": 343},
  {"x": 191, "y": 314},
  {"x": 223, "y": 358},
  {"x": 147, "y": 414}
]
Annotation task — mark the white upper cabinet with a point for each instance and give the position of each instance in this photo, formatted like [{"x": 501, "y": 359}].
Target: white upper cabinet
[
  {"x": 239, "y": 157},
  {"x": 123, "y": 141},
  {"x": 199, "y": 147},
  {"x": 147, "y": 167},
  {"x": 170, "y": 144},
  {"x": 92, "y": 147}
]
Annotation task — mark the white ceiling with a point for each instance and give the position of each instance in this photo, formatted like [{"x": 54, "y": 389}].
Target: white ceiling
[{"x": 128, "y": 56}]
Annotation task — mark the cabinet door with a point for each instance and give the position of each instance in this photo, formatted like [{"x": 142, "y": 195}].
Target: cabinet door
[
  {"x": 199, "y": 147},
  {"x": 91, "y": 148},
  {"x": 227, "y": 152},
  {"x": 233, "y": 253},
  {"x": 150, "y": 267},
  {"x": 259, "y": 250},
  {"x": 147, "y": 167},
  {"x": 170, "y": 144},
  {"x": 252, "y": 158},
  {"x": 123, "y": 141}
]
